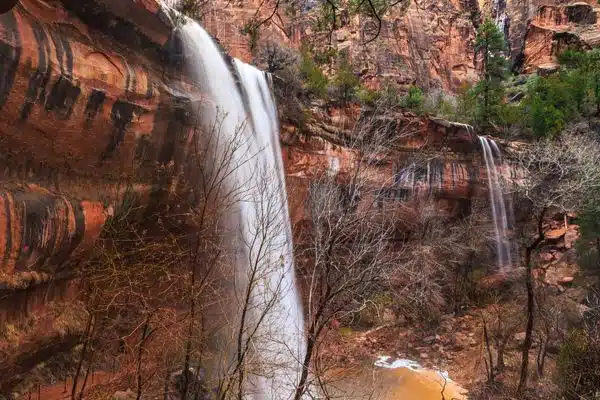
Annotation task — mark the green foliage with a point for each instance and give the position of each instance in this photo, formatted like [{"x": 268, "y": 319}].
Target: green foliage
[
  {"x": 388, "y": 96},
  {"x": 326, "y": 57},
  {"x": 588, "y": 245},
  {"x": 367, "y": 96},
  {"x": 489, "y": 92},
  {"x": 578, "y": 361},
  {"x": 550, "y": 102},
  {"x": 466, "y": 104},
  {"x": 313, "y": 76},
  {"x": 364, "y": 7},
  {"x": 414, "y": 98},
  {"x": 554, "y": 100},
  {"x": 345, "y": 80}
]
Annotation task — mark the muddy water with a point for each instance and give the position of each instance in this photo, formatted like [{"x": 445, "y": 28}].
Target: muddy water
[{"x": 397, "y": 380}]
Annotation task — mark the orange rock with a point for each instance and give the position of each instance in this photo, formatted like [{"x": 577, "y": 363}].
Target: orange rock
[{"x": 555, "y": 233}]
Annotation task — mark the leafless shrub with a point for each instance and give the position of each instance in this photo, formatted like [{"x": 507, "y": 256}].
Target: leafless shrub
[
  {"x": 560, "y": 174},
  {"x": 350, "y": 254},
  {"x": 273, "y": 58}
]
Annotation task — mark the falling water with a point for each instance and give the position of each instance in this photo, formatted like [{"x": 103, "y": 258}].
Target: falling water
[
  {"x": 243, "y": 94},
  {"x": 501, "y": 17},
  {"x": 418, "y": 179},
  {"x": 499, "y": 212}
]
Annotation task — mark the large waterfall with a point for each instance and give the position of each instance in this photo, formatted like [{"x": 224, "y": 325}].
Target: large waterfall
[
  {"x": 498, "y": 205},
  {"x": 240, "y": 97}
]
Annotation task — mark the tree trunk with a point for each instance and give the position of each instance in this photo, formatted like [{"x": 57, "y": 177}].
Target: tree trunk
[
  {"x": 166, "y": 384},
  {"x": 86, "y": 341},
  {"x": 541, "y": 356},
  {"x": 598, "y": 252},
  {"x": 145, "y": 335},
  {"x": 530, "y": 303},
  {"x": 490, "y": 360},
  {"x": 500, "y": 366},
  {"x": 188, "y": 345},
  {"x": 85, "y": 379},
  {"x": 310, "y": 346}
]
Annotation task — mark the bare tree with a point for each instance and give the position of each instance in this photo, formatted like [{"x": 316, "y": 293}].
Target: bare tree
[
  {"x": 273, "y": 58},
  {"x": 349, "y": 254},
  {"x": 560, "y": 175}
]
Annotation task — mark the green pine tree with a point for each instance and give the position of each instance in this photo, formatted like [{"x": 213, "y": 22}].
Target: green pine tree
[
  {"x": 345, "y": 80},
  {"x": 489, "y": 91}
]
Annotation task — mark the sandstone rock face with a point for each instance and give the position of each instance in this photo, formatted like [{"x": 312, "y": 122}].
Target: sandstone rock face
[
  {"x": 428, "y": 43},
  {"x": 555, "y": 27},
  {"x": 83, "y": 120},
  {"x": 91, "y": 110}
]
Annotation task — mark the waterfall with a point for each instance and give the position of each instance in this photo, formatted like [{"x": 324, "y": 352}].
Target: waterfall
[
  {"x": 501, "y": 18},
  {"x": 241, "y": 96},
  {"x": 421, "y": 179},
  {"x": 498, "y": 206}
]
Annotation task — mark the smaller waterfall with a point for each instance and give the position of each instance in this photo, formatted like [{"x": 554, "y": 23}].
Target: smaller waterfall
[
  {"x": 501, "y": 17},
  {"x": 422, "y": 179},
  {"x": 497, "y": 203}
]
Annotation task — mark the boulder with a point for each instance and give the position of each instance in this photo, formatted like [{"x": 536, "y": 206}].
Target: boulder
[
  {"x": 561, "y": 273},
  {"x": 566, "y": 279},
  {"x": 571, "y": 237},
  {"x": 555, "y": 234},
  {"x": 126, "y": 395},
  {"x": 547, "y": 69}
]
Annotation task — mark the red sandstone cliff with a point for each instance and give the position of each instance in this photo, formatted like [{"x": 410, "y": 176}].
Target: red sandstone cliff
[
  {"x": 82, "y": 116},
  {"x": 91, "y": 106}
]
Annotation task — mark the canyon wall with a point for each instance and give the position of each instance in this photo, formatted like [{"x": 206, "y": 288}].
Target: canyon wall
[
  {"x": 424, "y": 43},
  {"x": 94, "y": 106}
]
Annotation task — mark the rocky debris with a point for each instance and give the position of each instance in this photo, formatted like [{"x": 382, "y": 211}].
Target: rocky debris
[
  {"x": 558, "y": 258},
  {"x": 430, "y": 339},
  {"x": 560, "y": 272}
]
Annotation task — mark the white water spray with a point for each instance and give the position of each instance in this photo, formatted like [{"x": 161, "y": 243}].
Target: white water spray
[
  {"x": 498, "y": 206},
  {"x": 241, "y": 95}
]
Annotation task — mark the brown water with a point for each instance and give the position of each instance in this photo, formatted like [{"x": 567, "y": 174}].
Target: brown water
[{"x": 402, "y": 383}]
